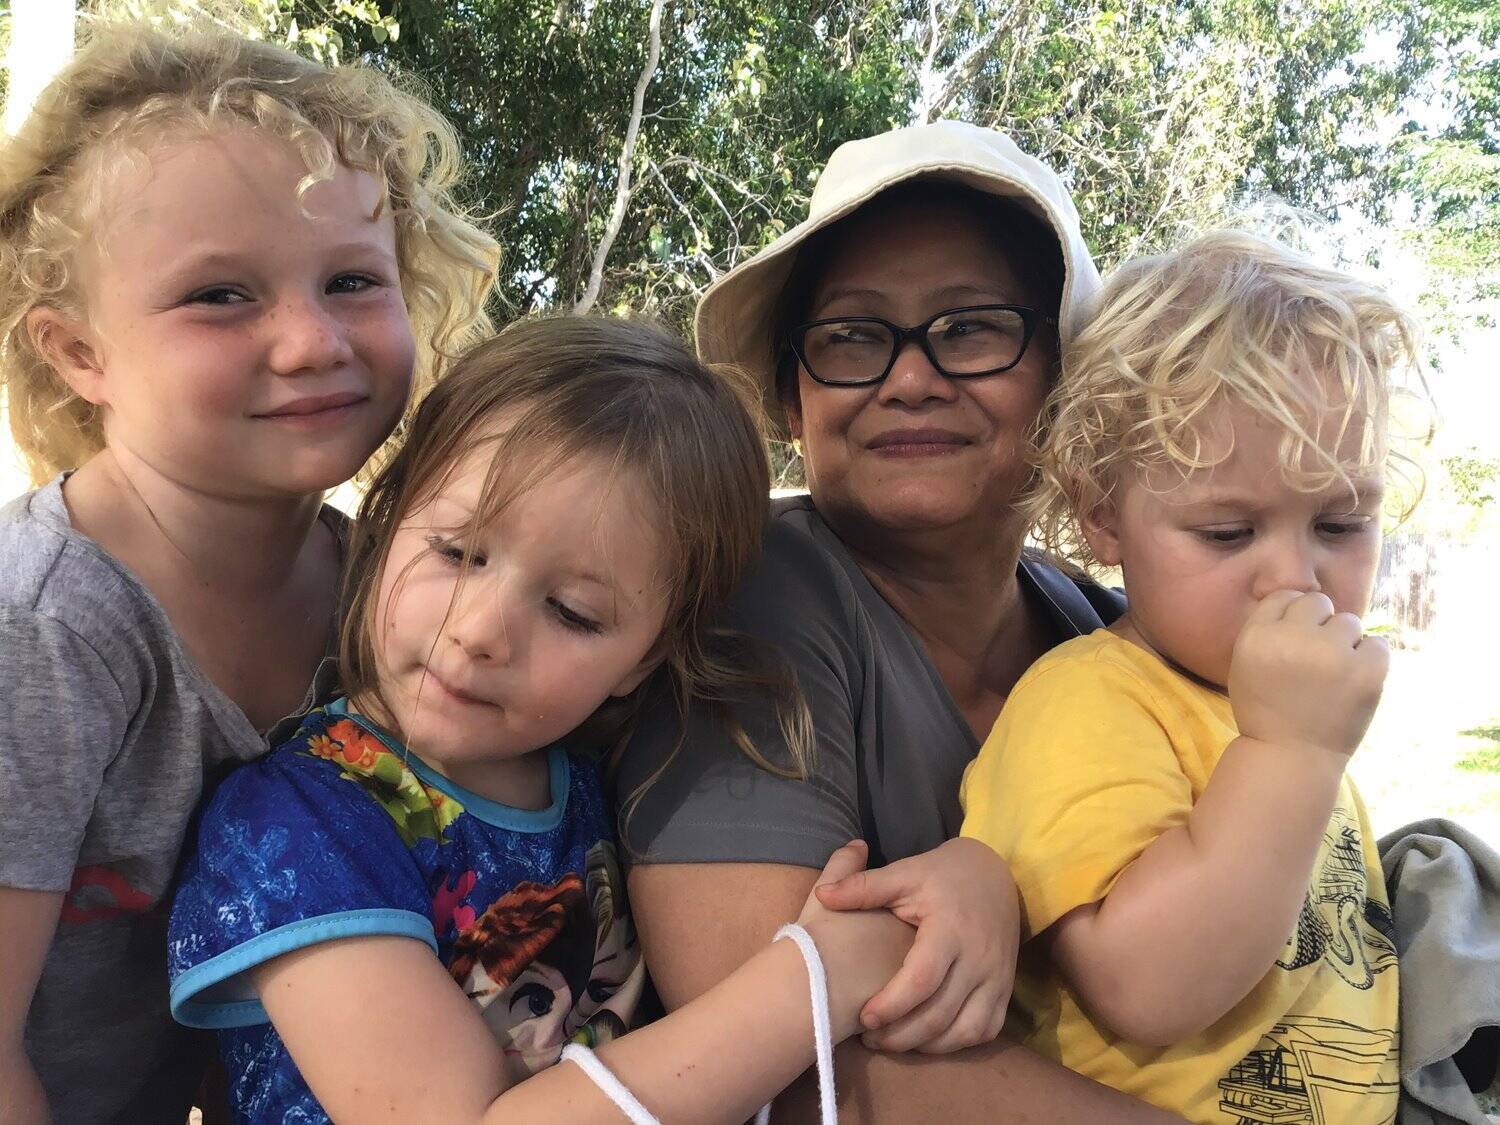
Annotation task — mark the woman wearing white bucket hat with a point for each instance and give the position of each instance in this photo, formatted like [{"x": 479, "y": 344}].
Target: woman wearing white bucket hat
[{"x": 906, "y": 334}]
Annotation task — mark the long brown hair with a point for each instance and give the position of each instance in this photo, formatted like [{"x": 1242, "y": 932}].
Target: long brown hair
[{"x": 692, "y": 437}]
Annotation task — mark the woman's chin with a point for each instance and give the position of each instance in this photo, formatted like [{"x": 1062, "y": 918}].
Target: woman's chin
[{"x": 922, "y": 506}]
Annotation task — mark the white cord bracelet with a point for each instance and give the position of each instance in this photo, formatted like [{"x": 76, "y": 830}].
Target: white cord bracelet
[
  {"x": 613, "y": 1088},
  {"x": 817, "y": 984}
]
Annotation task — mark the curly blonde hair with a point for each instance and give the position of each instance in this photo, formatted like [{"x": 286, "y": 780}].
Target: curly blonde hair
[
  {"x": 1229, "y": 317},
  {"x": 130, "y": 84}
]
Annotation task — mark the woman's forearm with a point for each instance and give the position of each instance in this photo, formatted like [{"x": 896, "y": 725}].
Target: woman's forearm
[
  {"x": 997, "y": 1084},
  {"x": 1200, "y": 916}
]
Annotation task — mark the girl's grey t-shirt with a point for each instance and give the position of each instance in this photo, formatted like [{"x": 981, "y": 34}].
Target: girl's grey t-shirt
[
  {"x": 891, "y": 744},
  {"x": 108, "y": 736}
]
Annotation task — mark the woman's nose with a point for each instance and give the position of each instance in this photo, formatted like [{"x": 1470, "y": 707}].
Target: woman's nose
[{"x": 913, "y": 379}]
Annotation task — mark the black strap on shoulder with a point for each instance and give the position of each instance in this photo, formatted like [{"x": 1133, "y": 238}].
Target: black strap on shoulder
[{"x": 1079, "y": 605}]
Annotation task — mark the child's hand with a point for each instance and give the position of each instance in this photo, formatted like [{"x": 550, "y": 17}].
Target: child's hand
[
  {"x": 1305, "y": 677},
  {"x": 861, "y": 949},
  {"x": 954, "y": 986}
]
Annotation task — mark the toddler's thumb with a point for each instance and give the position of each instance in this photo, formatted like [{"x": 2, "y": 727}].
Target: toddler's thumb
[{"x": 848, "y": 860}]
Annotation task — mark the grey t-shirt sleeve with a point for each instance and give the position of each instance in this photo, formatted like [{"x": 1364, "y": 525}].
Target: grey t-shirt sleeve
[
  {"x": 701, "y": 799},
  {"x": 63, "y": 723}
]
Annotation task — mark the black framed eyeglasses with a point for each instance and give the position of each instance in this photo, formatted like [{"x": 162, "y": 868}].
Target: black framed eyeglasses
[{"x": 962, "y": 343}]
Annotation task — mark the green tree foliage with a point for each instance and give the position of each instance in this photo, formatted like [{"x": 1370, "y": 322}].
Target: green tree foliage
[
  {"x": 1474, "y": 478},
  {"x": 1162, "y": 115},
  {"x": 1450, "y": 151}
]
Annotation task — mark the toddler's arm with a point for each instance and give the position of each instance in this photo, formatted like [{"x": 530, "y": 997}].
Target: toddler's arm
[
  {"x": 28, "y": 920},
  {"x": 340, "y": 1006},
  {"x": 1200, "y": 916}
]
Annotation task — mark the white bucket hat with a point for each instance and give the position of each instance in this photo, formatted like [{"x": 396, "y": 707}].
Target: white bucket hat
[{"x": 735, "y": 321}]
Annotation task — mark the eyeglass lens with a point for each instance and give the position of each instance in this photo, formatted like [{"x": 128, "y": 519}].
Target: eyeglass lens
[{"x": 962, "y": 342}]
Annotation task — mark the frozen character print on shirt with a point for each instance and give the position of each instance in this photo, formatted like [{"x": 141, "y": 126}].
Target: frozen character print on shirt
[{"x": 550, "y": 964}]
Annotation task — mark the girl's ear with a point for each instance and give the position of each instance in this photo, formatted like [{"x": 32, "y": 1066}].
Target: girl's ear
[
  {"x": 71, "y": 349},
  {"x": 1101, "y": 531}
]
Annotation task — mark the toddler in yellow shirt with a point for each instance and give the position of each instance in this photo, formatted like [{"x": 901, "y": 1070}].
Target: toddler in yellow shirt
[{"x": 1205, "y": 922}]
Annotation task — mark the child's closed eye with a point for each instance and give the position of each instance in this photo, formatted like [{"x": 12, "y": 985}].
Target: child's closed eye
[
  {"x": 573, "y": 620},
  {"x": 1225, "y": 536},
  {"x": 453, "y": 552},
  {"x": 1346, "y": 526}
]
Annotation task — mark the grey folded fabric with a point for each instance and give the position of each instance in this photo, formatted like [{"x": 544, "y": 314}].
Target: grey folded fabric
[{"x": 1444, "y": 885}]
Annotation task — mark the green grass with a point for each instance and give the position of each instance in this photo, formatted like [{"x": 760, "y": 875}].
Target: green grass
[{"x": 1486, "y": 759}]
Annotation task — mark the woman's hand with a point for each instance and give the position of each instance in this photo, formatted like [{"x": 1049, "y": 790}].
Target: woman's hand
[
  {"x": 861, "y": 949},
  {"x": 953, "y": 989}
]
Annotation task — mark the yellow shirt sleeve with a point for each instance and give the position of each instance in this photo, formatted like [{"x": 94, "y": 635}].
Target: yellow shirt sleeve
[{"x": 1077, "y": 778}]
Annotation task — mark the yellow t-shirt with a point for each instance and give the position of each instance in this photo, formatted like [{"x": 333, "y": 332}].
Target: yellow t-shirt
[{"x": 1099, "y": 750}]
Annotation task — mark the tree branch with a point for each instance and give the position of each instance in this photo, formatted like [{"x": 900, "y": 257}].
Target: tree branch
[
  {"x": 962, "y": 72},
  {"x": 627, "y": 160},
  {"x": 922, "y": 112}
]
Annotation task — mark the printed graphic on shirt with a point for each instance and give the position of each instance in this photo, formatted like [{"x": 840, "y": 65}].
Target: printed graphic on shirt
[
  {"x": 1310, "y": 1069},
  {"x": 1339, "y": 923},
  {"x": 549, "y": 964},
  {"x": 1313, "y": 1070},
  {"x": 417, "y": 810},
  {"x": 527, "y": 908},
  {"x": 99, "y": 893}
]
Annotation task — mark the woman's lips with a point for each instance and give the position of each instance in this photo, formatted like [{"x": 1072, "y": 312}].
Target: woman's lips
[{"x": 916, "y": 443}]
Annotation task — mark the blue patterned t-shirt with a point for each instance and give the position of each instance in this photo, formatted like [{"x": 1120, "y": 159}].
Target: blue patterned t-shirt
[{"x": 342, "y": 832}]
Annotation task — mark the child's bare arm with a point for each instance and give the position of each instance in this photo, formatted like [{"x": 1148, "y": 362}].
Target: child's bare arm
[
  {"x": 28, "y": 920},
  {"x": 338, "y": 1006},
  {"x": 1200, "y": 916}
]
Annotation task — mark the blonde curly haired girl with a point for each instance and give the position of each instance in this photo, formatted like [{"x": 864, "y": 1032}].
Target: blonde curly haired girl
[{"x": 223, "y": 269}]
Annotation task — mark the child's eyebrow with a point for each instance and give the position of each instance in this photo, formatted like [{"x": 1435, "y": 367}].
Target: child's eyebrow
[
  {"x": 371, "y": 246},
  {"x": 605, "y": 582},
  {"x": 450, "y": 505},
  {"x": 1363, "y": 490},
  {"x": 191, "y": 259}
]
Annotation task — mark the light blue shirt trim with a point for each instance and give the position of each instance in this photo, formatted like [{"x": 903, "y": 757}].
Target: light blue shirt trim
[
  {"x": 188, "y": 1009},
  {"x": 559, "y": 772}
]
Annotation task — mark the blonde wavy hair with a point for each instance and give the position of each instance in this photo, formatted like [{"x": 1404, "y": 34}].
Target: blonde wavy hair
[
  {"x": 1229, "y": 317},
  {"x": 130, "y": 84}
]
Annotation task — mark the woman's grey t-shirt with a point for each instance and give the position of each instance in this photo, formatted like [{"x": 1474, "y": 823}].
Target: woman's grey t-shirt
[
  {"x": 891, "y": 744},
  {"x": 108, "y": 735}
]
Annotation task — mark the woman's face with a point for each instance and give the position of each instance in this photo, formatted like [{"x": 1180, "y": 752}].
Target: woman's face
[{"x": 919, "y": 450}]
